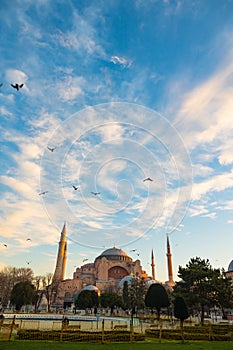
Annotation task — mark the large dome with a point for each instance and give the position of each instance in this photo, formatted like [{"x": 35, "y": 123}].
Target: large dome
[
  {"x": 230, "y": 267},
  {"x": 114, "y": 254}
]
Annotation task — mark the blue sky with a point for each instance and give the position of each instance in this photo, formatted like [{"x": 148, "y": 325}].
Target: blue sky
[{"x": 123, "y": 90}]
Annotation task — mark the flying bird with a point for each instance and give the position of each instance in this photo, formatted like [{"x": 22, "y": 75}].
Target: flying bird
[
  {"x": 5, "y": 245},
  {"x": 147, "y": 179},
  {"x": 42, "y": 193},
  {"x": 95, "y": 193},
  {"x": 28, "y": 239},
  {"x": 75, "y": 188},
  {"x": 85, "y": 260},
  {"x": 133, "y": 250},
  {"x": 28, "y": 262},
  {"x": 51, "y": 148},
  {"x": 1, "y": 84},
  {"x": 17, "y": 86}
]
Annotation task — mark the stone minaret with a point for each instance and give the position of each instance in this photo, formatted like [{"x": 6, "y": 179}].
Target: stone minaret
[
  {"x": 169, "y": 265},
  {"x": 152, "y": 265},
  {"x": 59, "y": 273}
]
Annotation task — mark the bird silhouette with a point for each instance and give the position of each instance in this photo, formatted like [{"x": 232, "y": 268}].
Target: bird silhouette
[
  {"x": 28, "y": 262},
  {"x": 147, "y": 179},
  {"x": 5, "y": 245},
  {"x": 75, "y": 188},
  {"x": 133, "y": 250},
  {"x": 28, "y": 239},
  {"x": 51, "y": 148},
  {"x": 1, "y": 84},
  {"x": 42, "y": 193},
  {"x": 17, "y": 86},
  {"x": 85, "y": 260},
  {"x": 95, "y": 193}
]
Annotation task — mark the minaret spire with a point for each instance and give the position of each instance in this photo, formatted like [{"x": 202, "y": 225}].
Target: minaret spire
[
  {"x": 152, "y": 265},
  {"x": 59, "y": 273},
  {"x": 169, "y": 265}
]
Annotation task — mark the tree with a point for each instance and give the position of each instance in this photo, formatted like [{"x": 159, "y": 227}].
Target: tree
[
  {"x": 38, "y": 283},
  {"x": 202, "y": 286},
  {"x": 156, "y": 297},
  {"x": 87, "y": 299},
  {"x": 48, "y": 289},
  {"x": 223, "y": 293},
  {"x": 134, "y": 294},
  {"x": 9, "y": 276},
  {"x": 111, "y": 300},
  {"x": 23, "y": 293},
  {"x": 137, "y": 294},
  {"x": 181, "y": 312},
  {"x": 126, "y": 298}
]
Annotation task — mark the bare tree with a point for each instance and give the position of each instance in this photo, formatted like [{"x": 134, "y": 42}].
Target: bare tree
[
  {"x": 49, "y": 289},
  {"x": 9, "y": 276}
]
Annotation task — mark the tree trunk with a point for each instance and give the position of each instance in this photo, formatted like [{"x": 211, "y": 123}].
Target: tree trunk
[
  {"x": 224, "y": 316},
  {"x": 158, "y": 314},
  {"x": 202, "y": 315},
  {"x": 182, "y": 330}
]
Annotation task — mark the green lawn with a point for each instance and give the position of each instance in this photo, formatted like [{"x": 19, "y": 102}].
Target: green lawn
[{"x": 37, "y": 345}]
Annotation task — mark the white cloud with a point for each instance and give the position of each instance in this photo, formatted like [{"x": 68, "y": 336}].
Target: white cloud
[
  {"x": 216, "y": 183},
  {"x": 122, "y": 61},
  {"x": 201, "y": 170},
  {"x": 210, "y": 215},
  {"x": 71, "y": 88},
  {"x": 111, "y": 131},
  {"x": 206, "y": 112},
  {"x": 15, "y": 76},
  {"x": 4, "y": 111}
]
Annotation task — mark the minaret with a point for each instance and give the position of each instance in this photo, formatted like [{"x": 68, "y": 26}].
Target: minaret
[
  {"x": 152, "y": 265},
  {"x": 169, "y": 265},
  {"x": 59, "y": 273}
]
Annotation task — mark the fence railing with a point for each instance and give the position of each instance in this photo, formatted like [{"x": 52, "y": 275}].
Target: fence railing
[{"x": 97, "y": 331}]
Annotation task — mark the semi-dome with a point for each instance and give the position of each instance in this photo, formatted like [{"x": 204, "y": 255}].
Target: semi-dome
[
  {"x": 114, "y": 254},
  {"x": 127, "y": 279},
  {"x": 150, "y": 282},
  {"x": 230, "y": 267},
  {"x": 91, "y": 288}
]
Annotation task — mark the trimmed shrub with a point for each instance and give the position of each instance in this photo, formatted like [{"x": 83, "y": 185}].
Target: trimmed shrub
[{"x": 79, "y": 336}]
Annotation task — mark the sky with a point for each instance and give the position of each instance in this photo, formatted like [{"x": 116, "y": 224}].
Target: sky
[{"x": 115, "y": 92}]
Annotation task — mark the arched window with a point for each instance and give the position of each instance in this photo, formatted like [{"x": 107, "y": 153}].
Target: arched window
[
  {"x": 67, "y": 295},
  {"x": 117, "y": 272}
]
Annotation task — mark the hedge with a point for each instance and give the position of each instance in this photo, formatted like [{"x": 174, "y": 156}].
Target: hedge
[
  {"x": 215, "y": 333},
  {"x": 79, "y": 336}
]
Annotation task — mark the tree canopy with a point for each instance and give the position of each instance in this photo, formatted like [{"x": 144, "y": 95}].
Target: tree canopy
[
  {"x": 181, "y": 312},
  {"x": 9, "y": 276},
  {"x": 157, "y": 297},
  {"x": 111, "y": 300},
  {"x": 203, "y": 286},
  {"x": 180, "y": 309},
  {"x": 23, "y": 293},
  {"x": 87, "y": 299}
]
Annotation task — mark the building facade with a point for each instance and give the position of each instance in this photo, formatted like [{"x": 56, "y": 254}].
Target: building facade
[{"x": 105, "y": 273}]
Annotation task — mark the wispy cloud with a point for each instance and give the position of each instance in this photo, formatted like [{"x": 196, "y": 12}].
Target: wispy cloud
[{"x": 122, "y": 61}]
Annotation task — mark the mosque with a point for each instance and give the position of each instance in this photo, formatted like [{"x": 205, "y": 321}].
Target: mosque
[{"x": 106, "y": 274}]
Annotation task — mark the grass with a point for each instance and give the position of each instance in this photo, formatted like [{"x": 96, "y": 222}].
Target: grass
[{"x": 39, "y": 345}]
